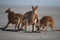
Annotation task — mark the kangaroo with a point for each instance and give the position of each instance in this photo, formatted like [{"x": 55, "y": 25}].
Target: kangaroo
[
  {"x": 47, "y": 21},
  {"x": 13, "y": 18},
  {"x": 30, "y": 18}
]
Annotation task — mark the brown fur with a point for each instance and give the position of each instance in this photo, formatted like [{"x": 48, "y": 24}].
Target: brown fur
[
  {"x": 47, "y": 21},
  {"x": 30, "y": 17},
  {"x": 13, "y": 18}
]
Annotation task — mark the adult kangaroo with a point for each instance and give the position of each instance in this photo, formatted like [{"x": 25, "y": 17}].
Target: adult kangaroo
[
  {"x": 30, "y": 18},
  {"x": 13, "y": 18}
]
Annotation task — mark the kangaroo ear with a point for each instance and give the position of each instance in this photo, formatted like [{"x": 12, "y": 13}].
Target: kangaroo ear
[
  {"x": 36, "y": 7},
  {"x": 32, "y": 7},
  {"x": 9, "y": 8}
]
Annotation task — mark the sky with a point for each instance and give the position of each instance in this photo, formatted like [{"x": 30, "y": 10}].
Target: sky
[{"x": 31, "y": 2}]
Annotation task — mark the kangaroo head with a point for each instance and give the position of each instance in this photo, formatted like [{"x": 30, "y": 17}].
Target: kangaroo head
[
  {"x": 8, "y": 10},
  {"x": 34, "y": 9}
]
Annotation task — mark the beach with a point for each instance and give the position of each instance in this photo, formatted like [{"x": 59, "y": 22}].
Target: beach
[{"x": 21, "y": 35}]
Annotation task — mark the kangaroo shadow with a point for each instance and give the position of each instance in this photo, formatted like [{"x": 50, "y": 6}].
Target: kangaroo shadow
[
  {"x": 32, "y": 32},
  {"x": 57, "y": 29},
  {"x": 11, "y": 30}
]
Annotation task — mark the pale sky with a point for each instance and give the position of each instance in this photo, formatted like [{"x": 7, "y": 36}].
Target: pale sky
[{"x": 31, "y": 2}]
